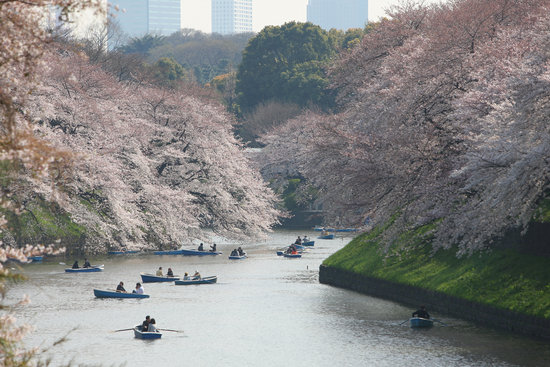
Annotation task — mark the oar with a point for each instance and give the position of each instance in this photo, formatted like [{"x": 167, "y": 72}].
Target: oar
[
  {"x": 62, "y": 264},
  {"x": 404, "y": 322},
  {"x": 442, "y": 323},
  {"x": 116, "y": 331},
  {"x": 175, "y": 331}
]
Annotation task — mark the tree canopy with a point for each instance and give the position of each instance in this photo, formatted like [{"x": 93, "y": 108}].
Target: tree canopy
[{"x": 285, "y": 63}]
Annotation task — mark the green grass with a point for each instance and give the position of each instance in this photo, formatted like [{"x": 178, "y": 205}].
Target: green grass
[{"x": 501, "y": 278}]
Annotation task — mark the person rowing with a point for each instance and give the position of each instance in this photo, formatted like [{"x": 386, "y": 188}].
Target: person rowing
[
  {"x": 120, "y": 288},
  {"x": 421, "y": 312},
  {"x": 201, "y": 247},
  {"x": 213, "y": 248}
]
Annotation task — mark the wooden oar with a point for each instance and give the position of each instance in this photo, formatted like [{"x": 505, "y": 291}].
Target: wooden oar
[
  {"x": 404, "y": 322},
  {"x": 116, "y": 331},
  {"x": 442, "y": 323},
  {"x": 175, "y": 331}
]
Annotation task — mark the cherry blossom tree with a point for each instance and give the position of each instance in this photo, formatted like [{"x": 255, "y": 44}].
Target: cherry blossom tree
[{"x": 420, "y": 99}]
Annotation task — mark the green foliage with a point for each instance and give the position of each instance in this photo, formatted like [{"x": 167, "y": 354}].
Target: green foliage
[
  {"x": 542, "y": 215},
  {"x": 285, "y": 63},
  {"x": 501, "y": 278},
  {"x": 167, "y": 71},
  {"x": 143, "y": 45}
]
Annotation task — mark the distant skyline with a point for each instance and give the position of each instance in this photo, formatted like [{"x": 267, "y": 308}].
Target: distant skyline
[{"x": 196, "y": 13}]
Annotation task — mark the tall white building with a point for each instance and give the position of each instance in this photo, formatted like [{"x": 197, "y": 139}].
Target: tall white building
[
  {"x": 338, "y": 14},
  {"x": 231, "y": 16}
]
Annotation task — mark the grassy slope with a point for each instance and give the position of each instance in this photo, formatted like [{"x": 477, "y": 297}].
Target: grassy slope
[{"x": 501, "y": 278}]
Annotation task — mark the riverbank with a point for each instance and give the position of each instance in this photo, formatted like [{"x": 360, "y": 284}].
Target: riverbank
[{"x": 503, "y": 288}]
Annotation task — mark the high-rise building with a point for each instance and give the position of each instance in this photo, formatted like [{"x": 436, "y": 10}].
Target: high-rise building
[
  {"x": 139, "y": 17},
  {"x": 338, "y": 14},
  {"x": 231, "y": 16}
]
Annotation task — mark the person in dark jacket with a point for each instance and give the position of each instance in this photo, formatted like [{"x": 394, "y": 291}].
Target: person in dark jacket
[
  {"x": 422, "y": 313},
  {"x": 75, "y": 265},
  {"x": 86, "y": 264},
  {"x": 145, "y": 323},
  {"x": 120, "y": 288},
  {"x": 201, "y": 247}
]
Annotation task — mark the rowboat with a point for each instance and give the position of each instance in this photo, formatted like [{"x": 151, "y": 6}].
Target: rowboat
[
  {"x": 280, "y": 253},
  {"x": 113, "y": 294},
  {"x": 308, "y": 243},
  {"x": 92, "y": 269},
  {"x": 205, "y": 280},
  {"x": 122, "y": 252},
  {"x": 199, "y": 253},
  {"x": 347, "y": 230},
  {"x": 145, "y": 334},
  {"x": 419, "y": 322},
  {"x": 150, "y": 278},
  {"x": 327, "y": 237},
  {"x": 238, "y": 257},
  {"x": 292, "y": 255},
  {"x": 172, "y": 252}
]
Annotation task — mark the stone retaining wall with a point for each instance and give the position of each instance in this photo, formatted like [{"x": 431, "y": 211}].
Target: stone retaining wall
[{"x": 436, "y": 301}]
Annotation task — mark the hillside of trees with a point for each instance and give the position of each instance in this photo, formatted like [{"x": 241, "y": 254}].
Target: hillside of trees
[{"x": 442, "y": 119}]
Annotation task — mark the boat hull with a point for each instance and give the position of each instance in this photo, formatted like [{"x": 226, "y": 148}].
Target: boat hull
[
  {"x": 150, "y": 278},
  {"x": 238, "y": 257},
  {"x": 308, "y": 243},
  {"x": 199, "y": 253},
  {"x": 292, "y": 255},
  {"x": 93, "y": 269},
  {"x": 327, "y": 237},
  {"x": 205, "y": 280},
  {"x": 145, "y": 335},
  {"x": 112, "y": 294},
  {"x": 418, "y": 322},
  {"x": 173, "y": 252}
]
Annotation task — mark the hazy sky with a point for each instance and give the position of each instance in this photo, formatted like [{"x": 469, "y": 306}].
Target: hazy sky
[{"x": 196, "y": 13}]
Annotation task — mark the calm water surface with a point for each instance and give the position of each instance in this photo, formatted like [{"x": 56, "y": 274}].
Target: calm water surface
[{"x": 264, "y": 311}]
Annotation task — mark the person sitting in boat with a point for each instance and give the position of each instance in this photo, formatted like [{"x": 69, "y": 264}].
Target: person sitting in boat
[
  {"x": 139, "y": 289},
  {"x": 120, "y": 288},
  {"x": 86, "y": 264},
  {"x": 201, "y": 247},
  {"x": 152, "y": 327},
  {"x": 145, "y": 323},
  {"x": 213, "y": 248},
  {"x": 186, "y": 276},
  {"x": 422, "y": 313},
  {"x": 234, "y": 252},
  {"x": 159, "y": 272},
  {"x": 170, "y": 273},
  {"x": 298, "y": 241},
  {"x": 305, "y": 239},
  {"x": 240, "y": 251},
  {"x": 75, "y": 265},
  {"x": 197, "y": 275}
]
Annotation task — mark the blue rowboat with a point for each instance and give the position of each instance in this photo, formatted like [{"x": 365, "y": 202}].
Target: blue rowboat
[
  {"x": 347, "y": 230},
  {"x": 113, "y": 294},
  {"x": 92, "y": 269},
  {"x": 280, "y": 253},
  {"x": 419, "y": 322},
  {"x": 145, "y": 334},
  {"x": 35, "y": 259},
  {"x": 308, "y": 243},
  {"x": 327, "y": 237},
  {"x": 238, "y": 257},
  {"x": 292, "y": 255},
  {"x": 199, "y": 253},
  {"x": 122, "y": 252},
  {"x": 205, "y": 280},
  {"x": 151, "y": 278},
  {"x": 172, "y": 252}
]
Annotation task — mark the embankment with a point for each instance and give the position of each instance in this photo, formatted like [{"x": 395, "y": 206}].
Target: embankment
[{"x": 503, "y": 288}]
